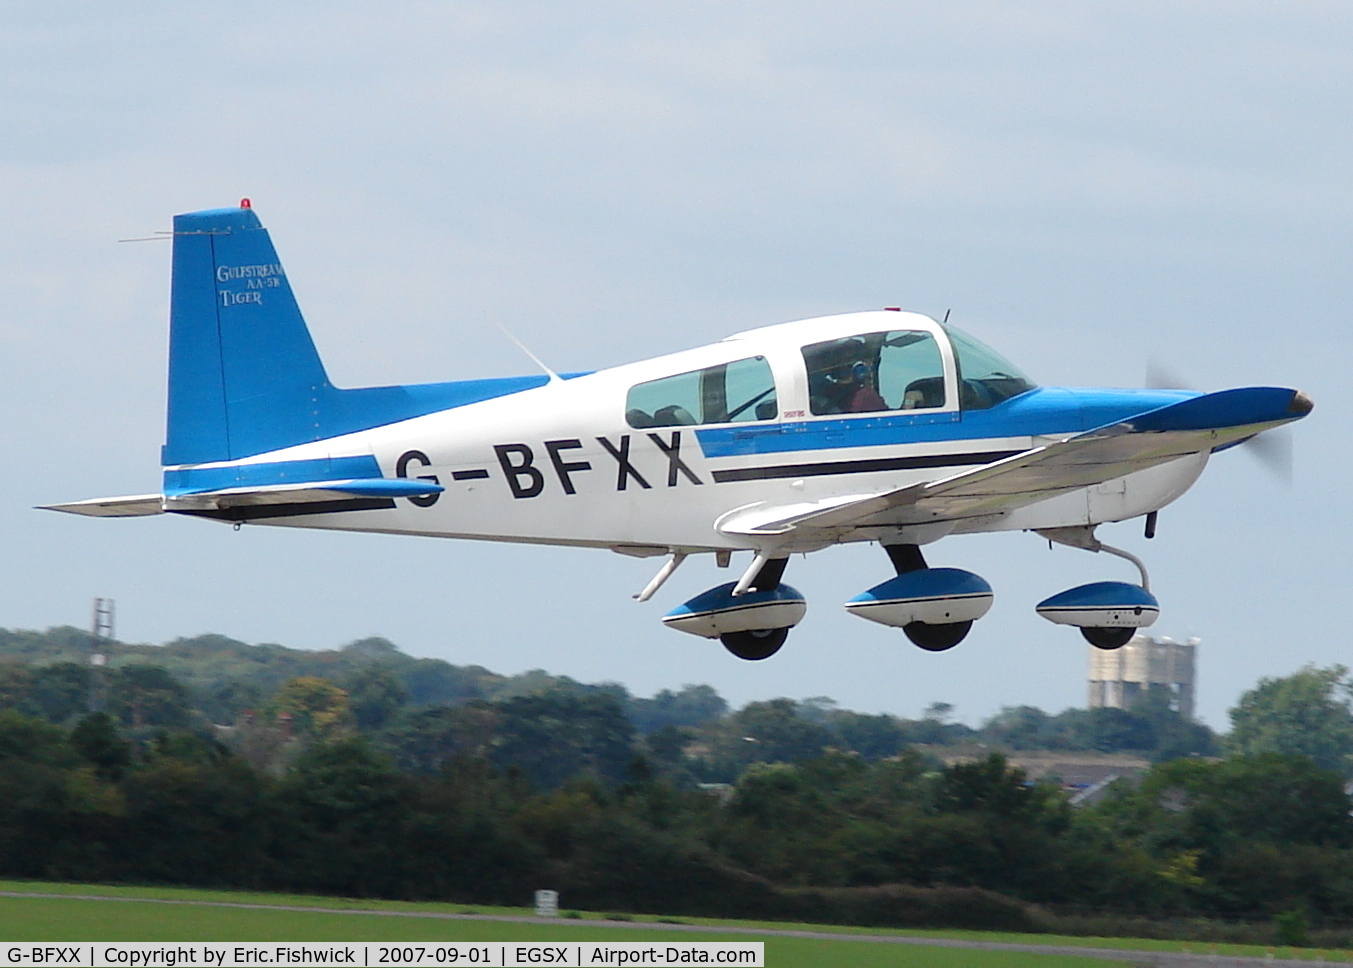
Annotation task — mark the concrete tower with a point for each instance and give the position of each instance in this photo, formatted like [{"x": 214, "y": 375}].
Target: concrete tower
[{"x": 1120, "y": 677}]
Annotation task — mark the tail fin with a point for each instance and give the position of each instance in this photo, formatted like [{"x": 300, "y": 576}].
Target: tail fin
[{"x": 244, "y": 376}]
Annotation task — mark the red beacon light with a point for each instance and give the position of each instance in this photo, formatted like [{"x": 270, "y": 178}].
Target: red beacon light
[
  {"x": 886, "y": 309},
  {"x": 245, "y": 203}
]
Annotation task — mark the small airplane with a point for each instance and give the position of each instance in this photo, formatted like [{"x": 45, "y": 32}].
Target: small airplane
[{"x": 882, "y": 426}]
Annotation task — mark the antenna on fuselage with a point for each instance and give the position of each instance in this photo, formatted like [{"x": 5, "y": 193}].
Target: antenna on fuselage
[
  {"x": 946, "y": 317},
  {"x": 554, "y": 377}
]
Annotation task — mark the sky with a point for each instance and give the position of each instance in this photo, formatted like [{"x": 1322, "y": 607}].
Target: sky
[{"x": 1087, "y": 186}]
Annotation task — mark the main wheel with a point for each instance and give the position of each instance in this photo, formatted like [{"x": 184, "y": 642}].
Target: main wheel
[
  {"x": 1108, "y": 639},
  {"x": 937, "y": 638},
  {"x": 756, "y": 644}
]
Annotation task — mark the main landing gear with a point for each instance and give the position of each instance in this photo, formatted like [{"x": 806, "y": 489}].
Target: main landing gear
[
  {"x": 756, "y": 644},
  {"x": 934, "y": 607},
  {"x": 751, "y": 617}
]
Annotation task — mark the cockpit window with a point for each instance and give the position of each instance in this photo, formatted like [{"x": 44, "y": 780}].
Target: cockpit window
[
  {"x": 901, "y": 370},
  {"x": 737, "y": 392},
  {"x": 985, "y": 378}
]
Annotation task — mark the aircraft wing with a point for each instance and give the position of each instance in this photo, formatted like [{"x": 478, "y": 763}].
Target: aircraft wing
[
  {"x": 315, "y": 492},
  {"x": 1201, "y": 424}
]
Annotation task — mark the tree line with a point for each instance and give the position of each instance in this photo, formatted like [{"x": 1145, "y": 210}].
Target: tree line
[
  {"x": 370, "y": 684},
  {"x": 672, "y": 804}
]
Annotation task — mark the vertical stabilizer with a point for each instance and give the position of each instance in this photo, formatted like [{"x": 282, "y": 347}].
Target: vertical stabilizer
[{"x": 244, "y": 376}]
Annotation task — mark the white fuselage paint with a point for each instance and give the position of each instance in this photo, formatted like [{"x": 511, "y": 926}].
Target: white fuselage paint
[{"x": 583, "y": 496}]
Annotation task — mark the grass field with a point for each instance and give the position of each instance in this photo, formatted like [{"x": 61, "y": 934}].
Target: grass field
[{"x": 194, "y": 918}]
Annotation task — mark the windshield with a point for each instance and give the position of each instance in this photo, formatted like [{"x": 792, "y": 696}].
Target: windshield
[{"x": 985, "y": 378}]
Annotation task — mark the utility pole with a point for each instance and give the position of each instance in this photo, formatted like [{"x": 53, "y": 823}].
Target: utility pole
[{"x": 100, "y": 642}]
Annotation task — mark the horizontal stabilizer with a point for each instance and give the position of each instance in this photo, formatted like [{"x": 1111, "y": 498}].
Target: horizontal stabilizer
[
  {"x": 314, "y": 492},
  {"x": 311, "y": 492},
  {"x": 133, "y": 506}
]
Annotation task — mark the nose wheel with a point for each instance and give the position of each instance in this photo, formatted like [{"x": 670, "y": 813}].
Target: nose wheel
[
  {"x": 1108, "y": 639},
  {"x": 1108, "y": 613}
]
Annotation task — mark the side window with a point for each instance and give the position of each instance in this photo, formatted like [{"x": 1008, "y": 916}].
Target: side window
[
  {"x": 900, "y": 370},
  {"x": 735, "y": 392}
]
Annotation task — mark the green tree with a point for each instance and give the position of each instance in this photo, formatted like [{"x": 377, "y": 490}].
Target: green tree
[
  {"x": 873, "y": 737},
  {"x": 429, "y": 740},
  {"x": 765, "y": 732},
  {"x": 1246, "y": 836},
  {"x": 375, "y": 694},
  {"x": 1175, "y": 735},
  {"x": 692, "y": 706},
  {"x": 993, "y": 787},
  {"x": 60, "y": 691},
  {"x": 316, "y": 707},
  {"x": 147, "y": 695},
  {"x": 16, "y": 689},
  {"x": 1018, "y": 727},
  {"x": 554, "y": 736},
  {"x": 96, "y": 739},
  {"x": 29, "y": 738},
  {"x": 1304, "y": 714}
]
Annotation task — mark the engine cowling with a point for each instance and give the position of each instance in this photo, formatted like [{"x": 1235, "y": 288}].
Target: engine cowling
[
  {"x": 1102, "y": 605},
  {"x": 935, "y": 596},
  {"x": 716, "y": 612}
]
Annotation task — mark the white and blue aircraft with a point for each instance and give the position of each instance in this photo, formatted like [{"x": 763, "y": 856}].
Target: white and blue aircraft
[{"x": 882, "y": 426}]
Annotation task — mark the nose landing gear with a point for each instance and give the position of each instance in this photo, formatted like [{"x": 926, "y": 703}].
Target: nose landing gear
[
  {"x": 1108, "y": 613},
  {"x": 1108, "y": 639}
]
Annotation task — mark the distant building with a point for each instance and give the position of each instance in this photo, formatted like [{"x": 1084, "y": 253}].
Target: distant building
[{"x": 1121, "y": 677}]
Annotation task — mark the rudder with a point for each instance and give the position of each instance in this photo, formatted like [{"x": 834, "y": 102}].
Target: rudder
[{"x": 244, "y": 375}]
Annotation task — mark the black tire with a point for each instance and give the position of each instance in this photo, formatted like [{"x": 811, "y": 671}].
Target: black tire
[
  {"x": 1108, "y": 639},
  {"x": 937, "y": 638},
  {"x": 756, "y": 644}
]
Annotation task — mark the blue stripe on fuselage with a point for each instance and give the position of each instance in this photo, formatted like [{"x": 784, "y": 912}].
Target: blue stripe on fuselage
[{"x": 1045, "y": 411}]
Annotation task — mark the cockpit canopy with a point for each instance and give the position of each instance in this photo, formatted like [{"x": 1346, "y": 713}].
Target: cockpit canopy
[{"x": 893, "y": 370}]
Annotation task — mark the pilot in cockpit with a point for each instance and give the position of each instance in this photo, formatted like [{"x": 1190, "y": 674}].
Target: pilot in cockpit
[
  {"x": 865, "y": 396},
  {"x": 841, "y": 380}
]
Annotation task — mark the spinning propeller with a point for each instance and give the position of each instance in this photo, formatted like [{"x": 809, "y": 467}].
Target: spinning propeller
[{"x": 1272, "y": 449}]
